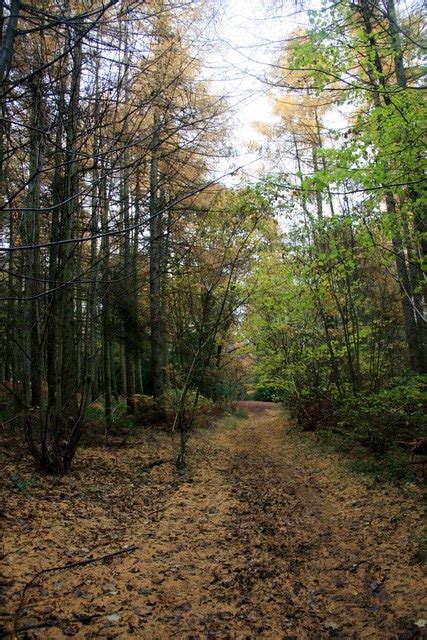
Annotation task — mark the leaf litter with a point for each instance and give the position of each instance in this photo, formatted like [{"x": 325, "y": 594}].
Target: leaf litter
[{"x": 264, "y": 537}]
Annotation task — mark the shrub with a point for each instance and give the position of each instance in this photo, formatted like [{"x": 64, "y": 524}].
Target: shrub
[
  {"x": 378, "y": 420},
  {"x": 312, "y": 413},
  {"x": 375, "y": 420},
  {"x": 202, "y": 407},
  {"x": 264, "y": 394},
  {"x": 237, "y": 411},
  {"x": 163, "y": 410},
  {"x": 148, "y": 412}
]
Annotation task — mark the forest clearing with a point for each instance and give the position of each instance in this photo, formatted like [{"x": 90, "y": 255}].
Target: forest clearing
[
  {"x": 264, "y": 537},
  {"x": 213, "y": 319}
]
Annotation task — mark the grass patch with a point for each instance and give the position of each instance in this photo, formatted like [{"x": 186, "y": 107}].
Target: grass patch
[
  {"x": 95, "y": 417},
  {"x": 239, "y": 412},
  {"x": 391, "y": 466},
  {"x": 228, "y": 421},
  {"x": 388, "y": 468}
]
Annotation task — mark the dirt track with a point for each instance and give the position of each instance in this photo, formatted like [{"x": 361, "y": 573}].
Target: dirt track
[{"x": 267, "y": 538}]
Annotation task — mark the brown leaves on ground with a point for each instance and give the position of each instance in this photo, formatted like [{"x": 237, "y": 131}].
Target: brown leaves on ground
[{"x": 264, "y": 538}]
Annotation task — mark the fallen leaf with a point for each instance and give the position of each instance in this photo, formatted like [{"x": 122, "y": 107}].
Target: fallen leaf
[
  {"x": 421, "y": 623},
  {"x": 330, "y": 624},
  {"x": 113, "y": 617}
]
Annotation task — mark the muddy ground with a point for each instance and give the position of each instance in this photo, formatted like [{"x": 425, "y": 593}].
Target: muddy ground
[{"x": 265, "y": 536}]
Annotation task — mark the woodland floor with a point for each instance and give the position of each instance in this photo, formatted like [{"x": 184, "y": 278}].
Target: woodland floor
[{"x": 265, "y": 537}]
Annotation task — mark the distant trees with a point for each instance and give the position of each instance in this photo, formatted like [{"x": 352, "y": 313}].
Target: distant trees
[
  {"x": 106, "y": 138},
  {"x": 338, "y": 315}
]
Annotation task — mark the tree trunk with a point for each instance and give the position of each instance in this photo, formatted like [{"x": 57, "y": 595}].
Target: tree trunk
[
  {"x": 156, "y": 240},
  {"x": 8, "y": 40},
  {"x": 106, "y": 320},
  {"x": 33, "y": 237}
]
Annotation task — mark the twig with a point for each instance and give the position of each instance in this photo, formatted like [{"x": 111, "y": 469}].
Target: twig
[
  {"x": 54, "y": 623},
  {"x": 156, "y": 511},
  {"x": 40, "y": 625},
  {"x": 151, "y": 465},
  {"x": 72, "y": 565},
  {"x": 9, "y": 553}
]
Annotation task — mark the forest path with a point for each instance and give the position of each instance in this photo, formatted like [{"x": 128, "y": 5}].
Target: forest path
[{"x": 267, "y": 538}]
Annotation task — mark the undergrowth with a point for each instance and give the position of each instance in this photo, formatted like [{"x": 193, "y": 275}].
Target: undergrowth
[
  {"x": 238, "y": 412},
  {"x": 389, "y": 466},
  {"x": 376, "y": 430}
]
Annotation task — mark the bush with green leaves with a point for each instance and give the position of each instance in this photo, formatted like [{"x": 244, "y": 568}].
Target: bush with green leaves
[
  {"x": 195, "y": 405},
  {"x": 162, "y": 411},
  {"x": 379, "y": 420}
]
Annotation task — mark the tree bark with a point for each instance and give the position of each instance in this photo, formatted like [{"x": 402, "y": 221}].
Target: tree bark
[
  {"x": 156, "y": 241},
  {"x": 8, "y": 40}
]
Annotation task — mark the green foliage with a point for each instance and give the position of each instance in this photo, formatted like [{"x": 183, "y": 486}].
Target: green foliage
[
  {"x": 120, "y": 419},
  {"x": 390, "y": 468},
  {"x": 329, "y": 320},
  {"x": 325, "y": 324},
  {"x": 21, "y": 484},
  {"x": 171, "y": 399},
  {"x": 324, "y": 318},
  {"x": 238, "y": 412},
  {"x": 7, "y": 409},
  {"x": 162, "y": 411},
  {"x": 378, "y": 420},
  {"x": 264, "y": 394}
]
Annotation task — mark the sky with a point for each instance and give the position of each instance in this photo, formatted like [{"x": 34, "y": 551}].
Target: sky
[{"x": 248, "y": 36}]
